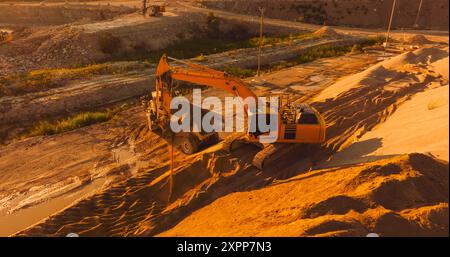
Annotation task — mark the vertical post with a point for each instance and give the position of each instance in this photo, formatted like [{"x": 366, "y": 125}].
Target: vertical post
[
  {"x": 261, "y": 31},
  {"x": 172, "y": 141},
  {"x": 416, "y": 23},
  {"x": 390, "y": 23}
]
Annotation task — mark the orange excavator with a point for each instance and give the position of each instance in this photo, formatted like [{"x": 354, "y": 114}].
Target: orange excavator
[{"x": 297, "y": 123}]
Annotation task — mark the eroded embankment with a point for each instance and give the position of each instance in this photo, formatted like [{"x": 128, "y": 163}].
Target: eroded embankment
[{"x": 343, "y": 13}]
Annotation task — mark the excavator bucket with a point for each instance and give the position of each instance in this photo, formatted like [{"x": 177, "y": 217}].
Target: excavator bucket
[{"x": 163, "y": 66}]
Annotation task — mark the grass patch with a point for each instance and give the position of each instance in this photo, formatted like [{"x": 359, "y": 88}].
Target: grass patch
[
  {"x": 282, "y": 39},
  {"x": 310, "y": 55},
  {"x": 74, "y": 122},
  {"x": 195, "y": 47},
  {"x": 239, "y": 72},
  {"x": 22, "y": 83}
]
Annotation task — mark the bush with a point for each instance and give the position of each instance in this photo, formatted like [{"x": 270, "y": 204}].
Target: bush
[
  {"x": 240, "y": 73},
  {"x": 75, "y": 122},
  {"x": 356, "y": 49},
  {"x": 109, "y": 44}
]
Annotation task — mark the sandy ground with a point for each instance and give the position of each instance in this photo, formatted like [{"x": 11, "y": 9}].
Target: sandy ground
[
  {"x": 398, "y": 195},
  {"x": 425, "y": 113},
  {"x": 381, "y": 197},
  {"x": 114, "y": 179},
  {"x": 69, "y": 166}
]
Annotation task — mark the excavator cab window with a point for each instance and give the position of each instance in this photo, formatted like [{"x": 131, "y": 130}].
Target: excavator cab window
[{"x": 308, "y": 118}]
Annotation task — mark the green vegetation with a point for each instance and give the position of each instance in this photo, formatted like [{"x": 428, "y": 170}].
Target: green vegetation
[
  {"x": 357, "y": 48},
  {"x": 240, "y": 73},
  {"x": 378, "y": 40},
  {"x": 310, "y": 55},
  {"x": 282, "y": 39},
  {"x": 194, "y": 47},
  {"x": 22, "y": 83},
  {"x": 214, "y": 40},
  {"x": 74, "y": 122},
  {"x": 323, "y": 52},
  {"x": 205, "y": 46}
]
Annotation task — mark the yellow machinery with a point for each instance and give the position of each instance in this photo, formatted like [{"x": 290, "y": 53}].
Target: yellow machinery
[
  {"x": 156, "y": 10},
  {"x": 5, "y": 36},
  {"x": 297, "y": 123}
]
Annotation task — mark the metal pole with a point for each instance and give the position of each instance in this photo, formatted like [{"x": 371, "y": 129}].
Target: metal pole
[
  {"x": 390, "y": 23},
  {"x": 416, "y": 23},
  {"x": 261, "y": 31}
]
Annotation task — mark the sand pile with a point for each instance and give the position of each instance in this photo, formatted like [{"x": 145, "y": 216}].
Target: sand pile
[
  {"x": 425, "y": 116},
  {"x": 419, "y": 40},
  {"x": 376, "y": 75},
  {"x": 326, "y": 31},
  {"x": 441, "y": 66},
  {"x": 359, "y": 103},
  {"x": 401, "y": 196}
]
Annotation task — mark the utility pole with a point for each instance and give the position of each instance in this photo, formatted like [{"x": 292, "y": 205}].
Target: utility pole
[
  {"x": 390, "y": 23},
  {"x": 144, "y": 7},
  {"x": 261, "y": 38},
  {"x": 416, "y": 23}
]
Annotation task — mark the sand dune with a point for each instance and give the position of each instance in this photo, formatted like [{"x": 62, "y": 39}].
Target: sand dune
[
  {"x": 394, "y": 197},
  {"x": 381, "y": 73},
  {"x": 441, "y": 66},
  {"x": 416, "y": 122},
  {"x": 419, "y": 125}
]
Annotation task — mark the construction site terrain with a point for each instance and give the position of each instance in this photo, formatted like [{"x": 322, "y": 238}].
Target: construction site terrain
[{"x": 383, "y": 167}]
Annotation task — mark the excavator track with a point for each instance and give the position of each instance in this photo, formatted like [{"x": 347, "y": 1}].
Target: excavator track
[
  {"x": 233, "y": 142},
  {"x": 271, "y": 153}
]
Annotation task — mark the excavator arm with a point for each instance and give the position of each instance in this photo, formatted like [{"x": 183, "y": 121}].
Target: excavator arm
[{"x": 196, "y": 74}]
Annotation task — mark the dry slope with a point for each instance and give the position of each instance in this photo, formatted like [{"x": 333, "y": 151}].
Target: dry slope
[{"x": 401, "y": 196}]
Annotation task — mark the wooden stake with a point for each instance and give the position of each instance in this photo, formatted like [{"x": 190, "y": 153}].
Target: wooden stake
[
  {"x": 390, "y": 23},
  {"x": 261, "y": 31}
]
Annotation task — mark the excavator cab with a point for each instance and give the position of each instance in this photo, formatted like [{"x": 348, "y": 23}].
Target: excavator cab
[{"x": 299, "y": 123}]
